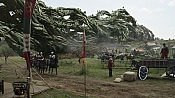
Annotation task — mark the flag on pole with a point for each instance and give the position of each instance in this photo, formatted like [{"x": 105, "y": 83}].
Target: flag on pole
[
  {"x": 28, "y": 11},
  {"x": 82, "y": 59}
]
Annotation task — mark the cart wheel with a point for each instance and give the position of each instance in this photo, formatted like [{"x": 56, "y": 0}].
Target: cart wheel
[
  {"x": 170, "y": 71},
  {"x": 142, "y": 72}
]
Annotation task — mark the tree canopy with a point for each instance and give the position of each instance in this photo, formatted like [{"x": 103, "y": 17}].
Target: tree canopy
[{"x": 57, "y": 29}]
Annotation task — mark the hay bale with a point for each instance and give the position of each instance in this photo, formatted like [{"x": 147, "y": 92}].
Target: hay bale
[
  {"x": 164, "y": 75},
  {"x": 129, "y": 76},
  {"x": 117, "y": 80}
]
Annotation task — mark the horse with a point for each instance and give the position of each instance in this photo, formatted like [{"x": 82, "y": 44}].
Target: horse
[
  {"x": 41, "y": 66},
  {"x": 104, "y": 58},
  {"x": 53, "y": 64},
  {"x": 121, "y": 57},
  {"x": 129, "y": 57}
]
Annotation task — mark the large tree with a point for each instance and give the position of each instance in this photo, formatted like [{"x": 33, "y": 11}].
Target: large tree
[{"x": 56, "y": 29}]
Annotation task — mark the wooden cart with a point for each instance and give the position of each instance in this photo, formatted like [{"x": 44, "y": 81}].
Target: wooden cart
[{"x": 143, "y": 66}]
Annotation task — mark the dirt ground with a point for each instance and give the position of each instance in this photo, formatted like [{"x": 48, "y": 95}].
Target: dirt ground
[{"x": 150, "y": 88}]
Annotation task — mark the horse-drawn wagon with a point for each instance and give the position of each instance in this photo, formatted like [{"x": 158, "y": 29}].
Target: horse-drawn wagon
[{"x": 143, "y": 66}]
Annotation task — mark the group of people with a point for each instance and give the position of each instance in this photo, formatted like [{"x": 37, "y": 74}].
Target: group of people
[
  {"x": 164, "y": 54},
  {"x": 39, "y": 57}
]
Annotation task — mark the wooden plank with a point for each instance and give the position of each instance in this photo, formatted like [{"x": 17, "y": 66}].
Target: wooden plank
[{"x": 154, "y": 63}]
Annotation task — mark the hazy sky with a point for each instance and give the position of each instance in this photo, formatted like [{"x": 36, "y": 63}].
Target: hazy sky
[{"x": 156, "y": 15}]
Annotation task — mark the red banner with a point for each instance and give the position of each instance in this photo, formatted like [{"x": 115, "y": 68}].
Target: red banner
[
  {"x": 28, "y": 11},
  {"x": 28, "y": 8},
  {"x": 83, "y": 53}
]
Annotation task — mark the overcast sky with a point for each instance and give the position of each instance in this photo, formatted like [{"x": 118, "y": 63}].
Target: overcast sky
[{"x": 156, "y": 15}]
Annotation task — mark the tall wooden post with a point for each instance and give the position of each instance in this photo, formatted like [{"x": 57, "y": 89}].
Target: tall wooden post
[
  {"x": 28, "y": 87},
  {"x": 28, "y": 11}
]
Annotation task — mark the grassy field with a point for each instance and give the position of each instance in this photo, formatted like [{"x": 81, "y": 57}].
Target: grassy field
[
  {"x": 95, "y": 69},
  {"x": 54, "y": 93}
]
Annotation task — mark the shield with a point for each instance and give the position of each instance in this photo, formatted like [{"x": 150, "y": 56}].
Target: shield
[{"x": 143, "y": 72}]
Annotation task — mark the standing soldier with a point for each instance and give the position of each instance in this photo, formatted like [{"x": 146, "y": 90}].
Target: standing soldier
[
  {"x": 51, "y": 57},
  {"x": 164, "y": 52},
  {"x": 32, "y": 57},
  {"x": 39, "y": 58},
  {"x": 110, "y": 65}
]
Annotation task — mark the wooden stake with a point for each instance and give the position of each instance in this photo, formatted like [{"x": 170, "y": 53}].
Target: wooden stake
[{"x": 41, "y": 77}]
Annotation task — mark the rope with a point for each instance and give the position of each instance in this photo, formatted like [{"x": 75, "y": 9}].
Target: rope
[
  {"x": 31, "y": 83},
  {"x": 41, "y": 78},
  {"x": 60, "y": 91},
  {"x": 22, "y": 77},
  {"x": 15, "y": 62},
  {"x": 40, "y": 90}
]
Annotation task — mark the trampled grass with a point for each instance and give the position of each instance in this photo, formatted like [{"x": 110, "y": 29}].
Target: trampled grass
[
  {"x": 95, "y": 70},
  {"x": 54, "y": 93}
]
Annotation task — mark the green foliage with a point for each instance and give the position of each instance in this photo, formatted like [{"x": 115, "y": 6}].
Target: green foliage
[
  {"x": 52, "y": 31},
  {"x": 5, "y": 50}
]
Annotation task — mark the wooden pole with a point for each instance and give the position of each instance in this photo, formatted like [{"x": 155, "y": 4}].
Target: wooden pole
[
  {"x": 28, "y": 83},
  {"x": 41, "y": 77},
  {"x": 84, "y": 72}
]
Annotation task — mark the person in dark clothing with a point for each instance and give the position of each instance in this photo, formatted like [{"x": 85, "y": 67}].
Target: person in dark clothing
[
  {"x": 110, "y": 65},
  {"x": 164, "y": 52}
]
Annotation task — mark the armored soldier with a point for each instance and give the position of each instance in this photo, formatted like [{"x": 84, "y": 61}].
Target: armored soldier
[
  {"x": 39, "y": 56},
  {"x": 52, "y": 56}
]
